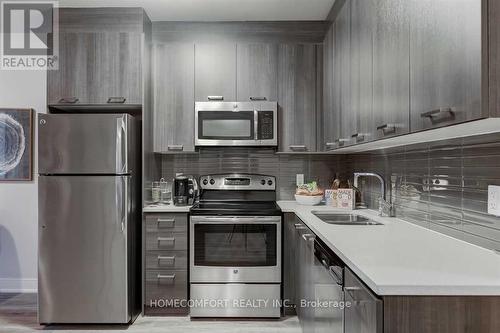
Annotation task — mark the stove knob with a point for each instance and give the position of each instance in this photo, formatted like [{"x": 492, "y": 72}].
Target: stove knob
[
  {"x": 212, "y": 181},
  {"x": 205, "y": 181},
  {"x": 269, "y": 182},
  {"x": 263, "y": 182}
]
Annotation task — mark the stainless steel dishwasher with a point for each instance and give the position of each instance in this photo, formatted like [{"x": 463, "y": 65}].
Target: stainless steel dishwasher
[{"x": 328, "y": 311}]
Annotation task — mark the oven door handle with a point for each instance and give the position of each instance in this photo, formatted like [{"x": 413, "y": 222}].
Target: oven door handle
[{"x": 235, "y": 219}]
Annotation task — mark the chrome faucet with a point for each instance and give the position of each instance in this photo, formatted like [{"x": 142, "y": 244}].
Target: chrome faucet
[{"x": 384, "y": 206}]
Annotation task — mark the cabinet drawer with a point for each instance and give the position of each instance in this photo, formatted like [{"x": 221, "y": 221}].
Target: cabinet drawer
[
  {"x": 166, "y": 222},
  {"x": 164, "y": 291},
  {"x": 166, "y": 241},
  {"x": 166, "y": 260}
]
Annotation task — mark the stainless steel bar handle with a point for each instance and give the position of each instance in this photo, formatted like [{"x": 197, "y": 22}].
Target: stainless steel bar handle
[
  {"x": 121, "y": 146},
  {"x": 175, "y": 147},
  {"x": 116, "y": 100},
  {"x": 387, "y": 128},
  {"x": 166, "y": 239},
  {"x": 69, "y": 100},
  {"x": 215, "y": 98},
  {"x": 165, "y": 223},
  {"x": 255, "y": 124},
  {"x": 438, "y": 112},
  {"x": 297, "y": 147},
  {"x": 169, "y": 258},
  {"x": 308, "y": 237},
  {"x": 170, "y": 277},
  {"x": 358, "y": 136},
  {"x": 258, "y": 98}
]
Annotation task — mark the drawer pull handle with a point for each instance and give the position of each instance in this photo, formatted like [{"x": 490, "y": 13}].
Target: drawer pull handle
[
  {"x": 297, "y": 147},
  {"x": 69, "y": 100},
  {"x": 215, "y": 98},
  {"x": 170, "y": 278},
  {"x": 166, "y": 239},
  {"x": 387, "y": 128},
  {"x": 165, "y": 258},
  {"x": 258, "y": 98},
  {"x": 116, "y": 100},
  {"x": 165, "y": 223},
  {"x": 175, "y": 147},
  {"x": 358, "y": 137},
  {"x": 438, "y": 112}
]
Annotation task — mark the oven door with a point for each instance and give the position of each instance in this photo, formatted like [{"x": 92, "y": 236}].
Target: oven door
[
  {"x": 235, "y": 249},
  {"x": 226, "y": 124}
]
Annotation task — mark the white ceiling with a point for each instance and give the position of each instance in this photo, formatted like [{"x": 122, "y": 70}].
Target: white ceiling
[{"x": 219, "y": 10}]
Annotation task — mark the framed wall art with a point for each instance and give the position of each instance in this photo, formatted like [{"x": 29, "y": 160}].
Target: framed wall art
[{"x": 16, "y": 145}]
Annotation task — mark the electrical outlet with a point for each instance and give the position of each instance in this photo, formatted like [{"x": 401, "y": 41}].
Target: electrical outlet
[
  {"x": 300, "y": 179},
  {"x": 494, "y": 200}
]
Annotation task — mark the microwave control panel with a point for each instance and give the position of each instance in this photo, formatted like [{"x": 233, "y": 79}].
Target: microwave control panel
[{"x": 266, "y": 125}]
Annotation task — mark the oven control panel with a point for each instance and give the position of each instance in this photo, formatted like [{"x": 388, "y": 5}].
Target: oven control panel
[{"x": 238, "y": 182}]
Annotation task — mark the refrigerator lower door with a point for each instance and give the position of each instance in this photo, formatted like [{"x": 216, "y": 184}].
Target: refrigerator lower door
[
  {"x": 86, "y": 144},
  {"x": 83, "y": 249}
]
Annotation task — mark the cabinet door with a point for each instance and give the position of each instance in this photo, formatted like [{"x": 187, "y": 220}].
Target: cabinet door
[
  {"x": 215, "y": 71},
  {"x": 73, "y": 77},
  {"x": 174, "y": 97},
  {"x": 361, "y": 71},
  {"x": 343, "y": 27},
  {"x": 96, "y": 66},
  {"x": 391, "y": 80},
  {"x": 330, "y": 124},
  {"x": 257, "y": 72},
  {"x": 445, "y": 63},
  {"x": 365, "y": 313},
  {"x": 297, "y": 97}
]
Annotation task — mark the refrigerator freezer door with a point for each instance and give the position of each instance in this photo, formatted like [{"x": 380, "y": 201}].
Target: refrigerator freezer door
[
  {"x": 86, "y": 143},
  {"x": 83, "y": 249}
]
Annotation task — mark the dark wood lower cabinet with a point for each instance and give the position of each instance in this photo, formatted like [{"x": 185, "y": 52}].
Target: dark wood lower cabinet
[
  {"x": 441, "y": 314},
  {"x": 166, "y": 264}
]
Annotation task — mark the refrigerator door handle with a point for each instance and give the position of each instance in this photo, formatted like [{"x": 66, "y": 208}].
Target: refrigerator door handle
[
  {"x": 121, "y": 202},
  {"x": 121, "y": 145}
]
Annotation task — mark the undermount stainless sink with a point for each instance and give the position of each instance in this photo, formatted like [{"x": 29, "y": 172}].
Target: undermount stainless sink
[{"x": 344, "y": 219}]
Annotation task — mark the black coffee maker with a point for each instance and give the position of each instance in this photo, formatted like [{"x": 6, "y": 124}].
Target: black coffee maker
[{"x": 185, "y": 190}]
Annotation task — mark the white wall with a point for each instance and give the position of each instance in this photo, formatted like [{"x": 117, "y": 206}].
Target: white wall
[{"x": 19, "y": 201}]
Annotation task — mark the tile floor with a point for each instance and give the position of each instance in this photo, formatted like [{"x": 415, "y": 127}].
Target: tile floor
[{"x": 18, "y": 314}]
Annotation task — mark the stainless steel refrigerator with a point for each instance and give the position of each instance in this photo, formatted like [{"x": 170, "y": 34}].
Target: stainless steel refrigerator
[{"x": 89, "y": 235}]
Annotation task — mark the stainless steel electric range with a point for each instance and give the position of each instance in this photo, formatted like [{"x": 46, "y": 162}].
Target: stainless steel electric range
[{"x": 235, "y": 247}]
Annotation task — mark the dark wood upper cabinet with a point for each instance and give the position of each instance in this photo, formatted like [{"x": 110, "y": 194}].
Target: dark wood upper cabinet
[
  {"x": 445, "y": 62},
  {"x": 297, "y": 97},
  {"x": 215, "y": 71},
  {"x": 257, "y": 71},
  {"x": 173, "y": 71},
  {"x": 99, "y": 62},
  {"x": 391, "y": 67}
]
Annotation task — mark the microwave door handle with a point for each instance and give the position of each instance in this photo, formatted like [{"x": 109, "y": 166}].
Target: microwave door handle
[{"x": 256, "y": 125}]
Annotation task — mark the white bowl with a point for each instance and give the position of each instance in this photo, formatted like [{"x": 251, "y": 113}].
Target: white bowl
[{"x": 308, "y": 200}]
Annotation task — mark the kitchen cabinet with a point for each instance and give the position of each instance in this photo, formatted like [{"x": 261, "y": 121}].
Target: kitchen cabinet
[
  {"x": 173, "y": 97},
  {"x": 330, "y": 125},
  {"x": 365, "y": 313},
  {"x": 391, "y": 62},
  {"x": 257, "y": 72},
  {"x": 361, "y": 78},
  {"x": 215, "y": 71},
  {"x": 297, "y": 97},
  {"x": 343, "y": 43},
  {"x": 97, "y": 68},
  {"x": 166, "y": 263},
  {"x": 445, "y": 62},
  {"x": 289, "y": 262}
]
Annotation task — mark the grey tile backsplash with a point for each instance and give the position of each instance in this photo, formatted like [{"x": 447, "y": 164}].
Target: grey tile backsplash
[
  {"x": 441, "y": 185},
  {"x": 321, "y": 168}
]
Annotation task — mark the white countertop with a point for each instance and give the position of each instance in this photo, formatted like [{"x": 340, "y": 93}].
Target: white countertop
[
  {"x": 171, "y": 208},
  {"x": 400, "y": 258}
]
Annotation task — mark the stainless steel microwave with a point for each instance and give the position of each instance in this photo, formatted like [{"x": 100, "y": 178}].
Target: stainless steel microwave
[{"x": 236, "y": 124}]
